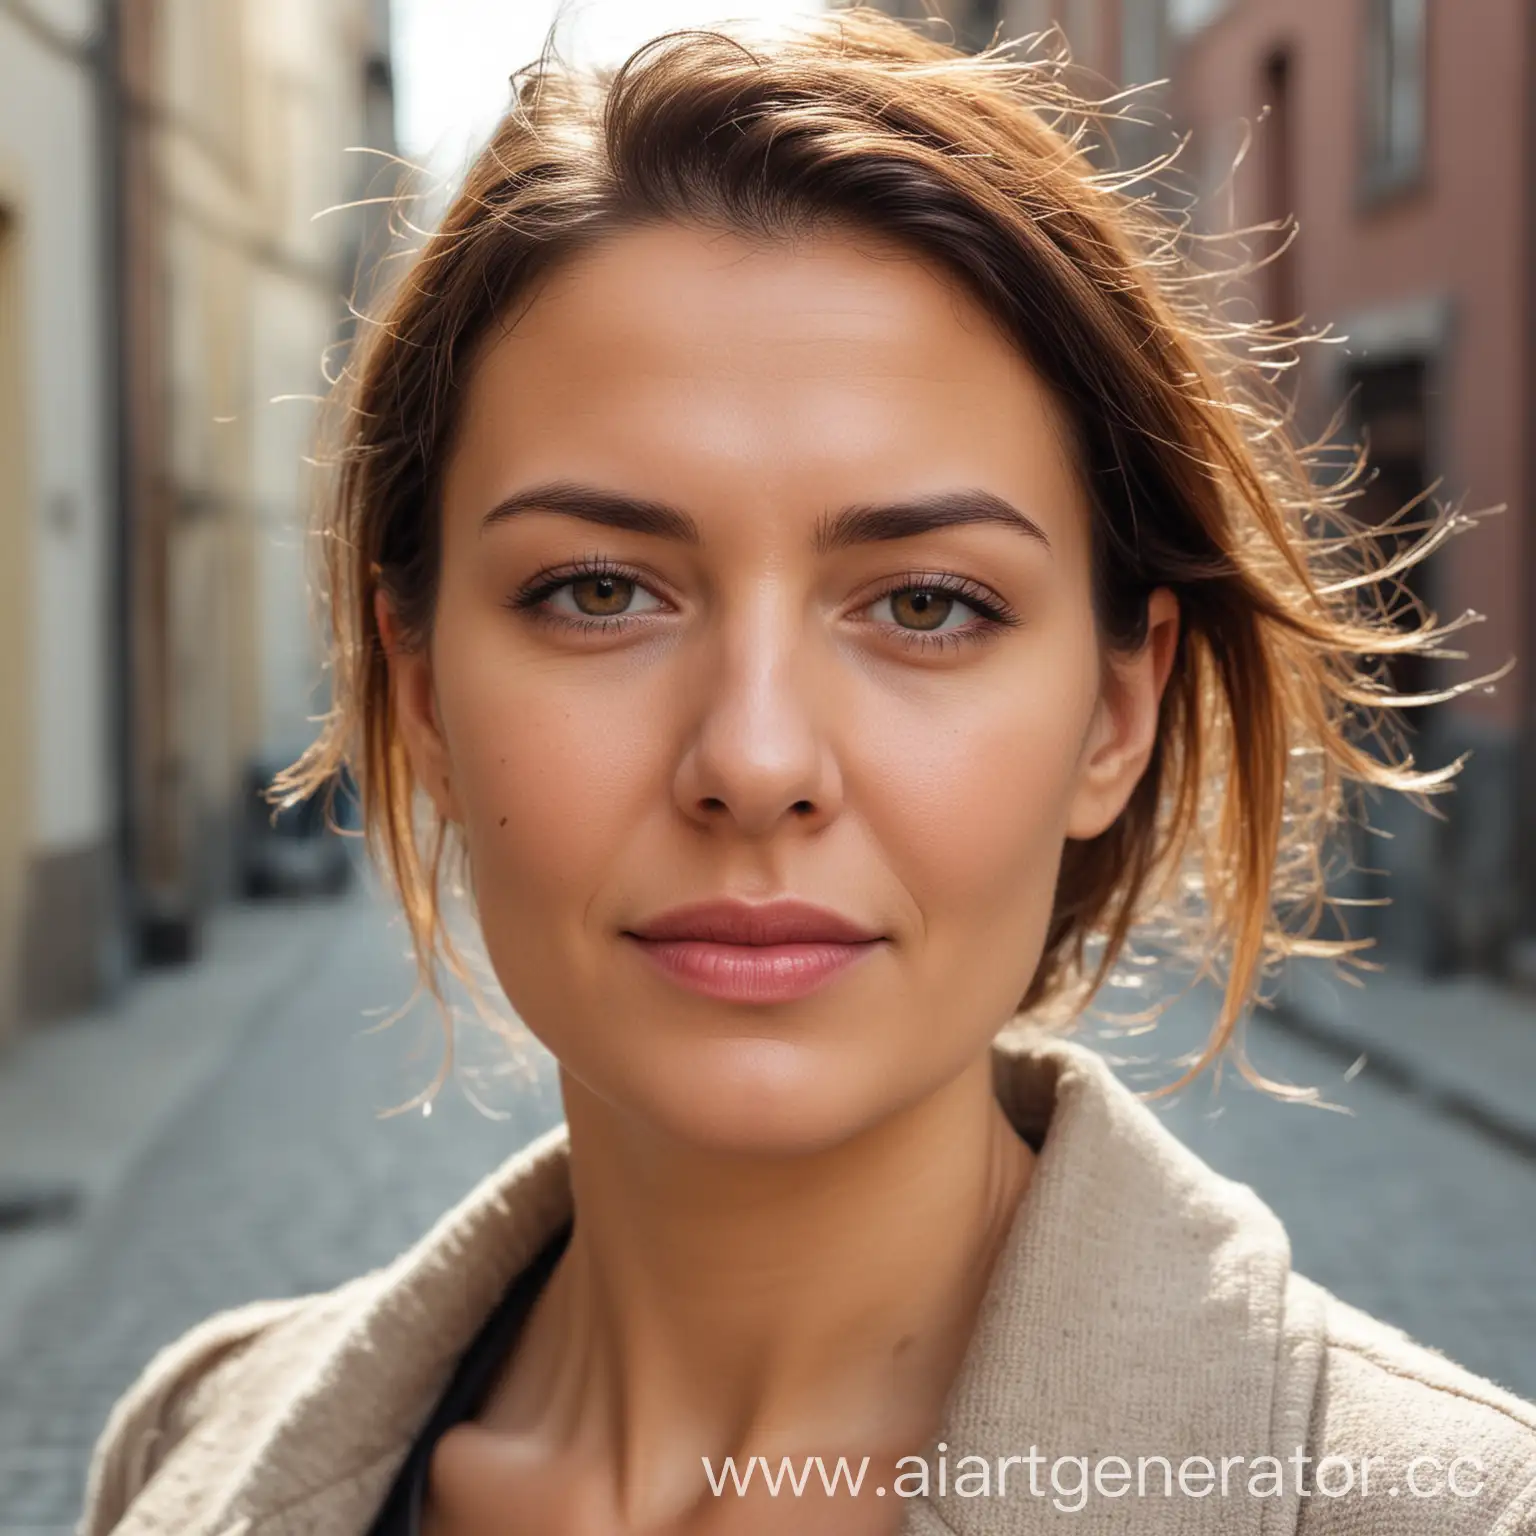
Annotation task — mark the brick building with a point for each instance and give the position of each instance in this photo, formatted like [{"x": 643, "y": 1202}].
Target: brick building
[
  {"x": 1397, "y": 132},
  {"x": 1401, "y": 136}
]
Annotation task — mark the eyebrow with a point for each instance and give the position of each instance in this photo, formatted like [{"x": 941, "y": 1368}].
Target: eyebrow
[{"x": 862, "y": 523}]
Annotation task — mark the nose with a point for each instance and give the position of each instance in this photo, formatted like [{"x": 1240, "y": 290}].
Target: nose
[{"x": 758, "y": 755}]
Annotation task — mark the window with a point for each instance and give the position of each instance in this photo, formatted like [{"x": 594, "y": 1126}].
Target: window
[
  {"x": 1186, "y": 17},
  {"x": 1396, "y": 59},
  {"x": 1280, "y": 186},
  {"x": 1141, "y": 42}
]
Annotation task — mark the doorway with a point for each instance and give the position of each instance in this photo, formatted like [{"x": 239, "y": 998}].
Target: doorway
[
  {"x": 1391, "y": 411},
  {"x": 15, "y": 624},
  {"x": 1397, "y": 865}
]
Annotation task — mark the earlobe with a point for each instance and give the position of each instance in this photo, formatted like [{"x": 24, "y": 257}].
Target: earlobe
[{"x": 416, "y": 713}]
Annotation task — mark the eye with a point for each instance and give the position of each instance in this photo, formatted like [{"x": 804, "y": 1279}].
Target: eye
[
  {"x": 926, "y": 609},
  {"x": 589, "y": 596},
  {"x": 602, "y": 595},
  {"x": 932, "y": 609}
]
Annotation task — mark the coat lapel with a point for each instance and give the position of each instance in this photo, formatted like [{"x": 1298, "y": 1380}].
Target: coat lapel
[{"x": 1136, "y": 1310}]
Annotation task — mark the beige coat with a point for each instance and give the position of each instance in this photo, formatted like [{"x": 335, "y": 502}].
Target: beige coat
[{"x": 1142, "y": 1306}]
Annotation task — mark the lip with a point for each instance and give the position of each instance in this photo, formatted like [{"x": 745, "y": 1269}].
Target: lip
[
  {"x": 764, "y": 952},
  {"x": 783, "y": 921}
]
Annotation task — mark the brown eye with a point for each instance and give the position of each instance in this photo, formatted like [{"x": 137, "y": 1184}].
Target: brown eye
[
  {"x": 592, "y": 599},
  {"x": 921, "y": 608},
  {"x": 602, "y": 597}
]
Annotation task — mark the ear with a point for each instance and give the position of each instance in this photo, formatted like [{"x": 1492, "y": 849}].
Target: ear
[
  {"x": 1124, "y": 730},
  {"x": 416, "y": 714}
]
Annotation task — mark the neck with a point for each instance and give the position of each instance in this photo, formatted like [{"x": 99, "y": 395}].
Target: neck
[{"x": 722, "y": 1304}]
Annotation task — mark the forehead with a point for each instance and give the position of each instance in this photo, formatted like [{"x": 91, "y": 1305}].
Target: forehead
[{"x": 669, "y": 360}]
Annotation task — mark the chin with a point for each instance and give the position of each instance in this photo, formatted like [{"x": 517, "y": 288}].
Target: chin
[{"x": 756, "y": 1097}]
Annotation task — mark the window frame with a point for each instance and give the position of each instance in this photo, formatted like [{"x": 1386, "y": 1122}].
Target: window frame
[{"x": 1394, "y": 70}]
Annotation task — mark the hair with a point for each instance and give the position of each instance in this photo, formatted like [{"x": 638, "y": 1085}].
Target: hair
[{"x": 1278, "y": 700}]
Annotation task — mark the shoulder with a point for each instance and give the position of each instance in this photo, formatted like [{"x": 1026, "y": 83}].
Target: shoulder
[
  {"x": 256, "y": 1346},
  {"x": 1411, "y": 1440}
]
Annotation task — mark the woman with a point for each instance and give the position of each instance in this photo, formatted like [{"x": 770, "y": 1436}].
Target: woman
[{"x": 831, "y": 583}]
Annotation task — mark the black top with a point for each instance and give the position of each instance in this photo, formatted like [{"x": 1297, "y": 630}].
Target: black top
[{"x": 467, "y": 1391}]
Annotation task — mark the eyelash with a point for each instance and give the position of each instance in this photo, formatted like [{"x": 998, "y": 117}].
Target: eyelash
[{"x": 994, "y": 614}]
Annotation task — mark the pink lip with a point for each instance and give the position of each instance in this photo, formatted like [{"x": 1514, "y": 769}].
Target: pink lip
[{"x": 757, "y": 953}]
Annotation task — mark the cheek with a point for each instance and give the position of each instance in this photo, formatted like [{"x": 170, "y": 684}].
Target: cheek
[
  {"x": 548, "y": 758},
  {"x": 970, "y": 791}
]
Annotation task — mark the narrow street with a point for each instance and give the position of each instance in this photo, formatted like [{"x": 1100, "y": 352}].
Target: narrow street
[{"x": 276, "y": 1176}]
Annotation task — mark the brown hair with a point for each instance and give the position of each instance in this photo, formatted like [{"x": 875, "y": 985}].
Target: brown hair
[{"x": 980, "y": 162}]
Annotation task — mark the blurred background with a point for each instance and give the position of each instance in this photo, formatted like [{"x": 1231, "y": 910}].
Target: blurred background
[{"x": 190, "y": 192}]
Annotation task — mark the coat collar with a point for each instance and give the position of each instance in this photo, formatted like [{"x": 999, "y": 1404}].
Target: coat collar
[{"x": 1137, "y": 1308}]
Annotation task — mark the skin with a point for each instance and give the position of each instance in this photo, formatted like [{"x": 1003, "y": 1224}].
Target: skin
[{"x": 787, "y": 1213}]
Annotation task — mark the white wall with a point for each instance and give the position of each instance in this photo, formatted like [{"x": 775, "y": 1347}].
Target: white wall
[{"x": 48, "y": 177}]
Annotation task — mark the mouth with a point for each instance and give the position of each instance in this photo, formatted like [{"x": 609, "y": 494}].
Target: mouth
[{"x": 754, "y": 952}]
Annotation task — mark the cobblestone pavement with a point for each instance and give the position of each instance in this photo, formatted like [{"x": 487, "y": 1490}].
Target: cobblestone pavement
[
  {"x": 1410, "y": 1213},
  {"x": 279, "y": 1178}
]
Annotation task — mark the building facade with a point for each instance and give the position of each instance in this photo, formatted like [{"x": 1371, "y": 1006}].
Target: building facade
[
  {"x": 166, "y": 298},
  {"x": 1400, "y": 135},
  {"x": 240, "y": 116},
  {"x": 56, "y": 516}
]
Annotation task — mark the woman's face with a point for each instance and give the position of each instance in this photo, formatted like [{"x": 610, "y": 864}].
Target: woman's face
[{"x": 824, "y": 632}]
